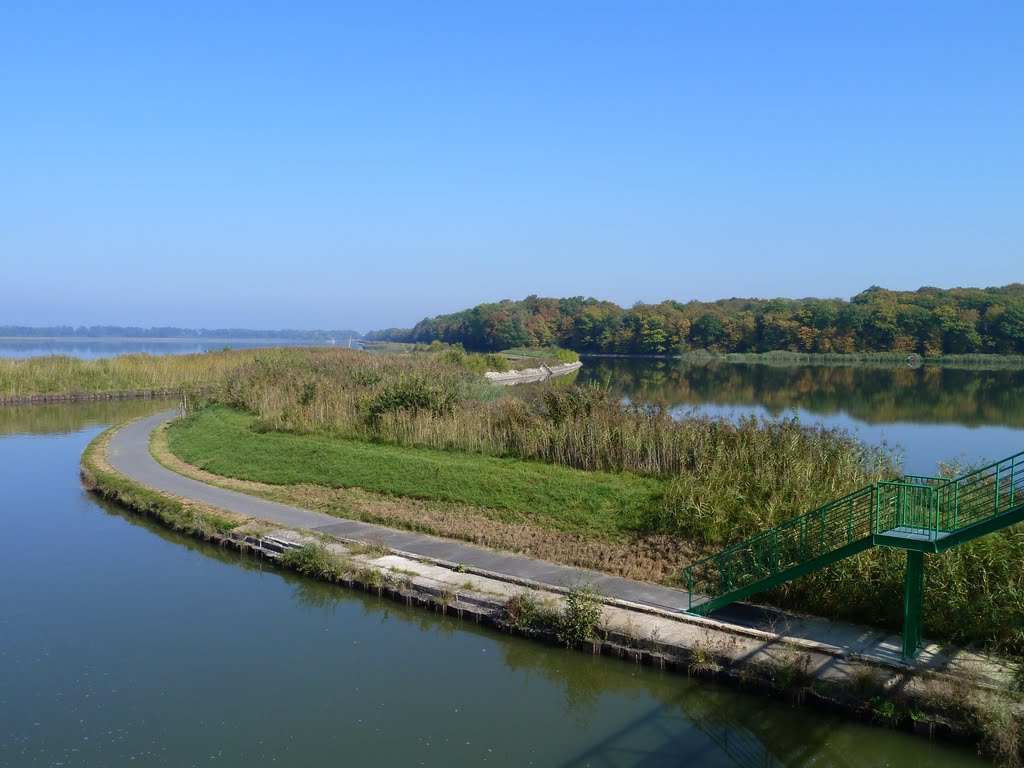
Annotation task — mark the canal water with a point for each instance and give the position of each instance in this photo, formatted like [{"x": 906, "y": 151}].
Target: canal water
[
  {"x": 123, "y": 644},
  {"x": 925, "y": 414}
]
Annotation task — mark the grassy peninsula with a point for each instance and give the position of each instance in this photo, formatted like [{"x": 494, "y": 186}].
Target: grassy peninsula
[{"x": 570, "y": 474}]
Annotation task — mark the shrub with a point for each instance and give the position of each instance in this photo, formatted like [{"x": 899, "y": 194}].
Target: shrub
[
  {"x": 580, "y": 616},
  {"x": 315, "y": 560}
]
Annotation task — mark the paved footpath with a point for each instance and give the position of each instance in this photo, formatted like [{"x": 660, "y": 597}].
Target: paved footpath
[{"x": 129, "y": 454}]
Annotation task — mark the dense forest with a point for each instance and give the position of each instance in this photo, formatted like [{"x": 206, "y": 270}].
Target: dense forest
[
  {"x": 928, "y": 321},
  {"x": 165, "y": 332}
]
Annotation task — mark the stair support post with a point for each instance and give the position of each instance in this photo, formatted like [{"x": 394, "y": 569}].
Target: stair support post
[
  {"x": 1013, "y": 479},
  {"x": 913, "y": 604}
]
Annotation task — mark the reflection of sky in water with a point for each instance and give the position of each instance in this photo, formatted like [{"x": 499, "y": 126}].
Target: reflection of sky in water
[{"x": 923, "y": 445}]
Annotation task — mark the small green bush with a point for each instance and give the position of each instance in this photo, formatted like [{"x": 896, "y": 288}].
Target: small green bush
[
  {"x": 580, "y": 617},
  {"x": 314, "y": 560}
]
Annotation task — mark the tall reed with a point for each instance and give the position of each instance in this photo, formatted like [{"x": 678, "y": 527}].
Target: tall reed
[{"x": 61, "y": 374}]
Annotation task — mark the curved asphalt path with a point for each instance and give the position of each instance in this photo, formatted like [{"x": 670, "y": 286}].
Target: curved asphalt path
[{"x": 129, "y": 454}]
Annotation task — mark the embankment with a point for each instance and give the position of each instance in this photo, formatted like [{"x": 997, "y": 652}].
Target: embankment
[
  {"x": 85, "y": 397},
  {"x": 960, "y": 703},
  {"x": 527, "y": 375}
]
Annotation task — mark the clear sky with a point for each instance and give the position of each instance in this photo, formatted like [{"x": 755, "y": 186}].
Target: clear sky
[{"x": 311, "y": 165}]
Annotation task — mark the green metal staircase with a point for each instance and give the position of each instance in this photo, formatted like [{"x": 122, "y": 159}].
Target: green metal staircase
[{"x": 919, "y": 514}]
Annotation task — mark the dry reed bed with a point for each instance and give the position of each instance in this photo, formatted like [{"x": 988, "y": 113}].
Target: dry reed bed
[{"x": 60, "y": 374}]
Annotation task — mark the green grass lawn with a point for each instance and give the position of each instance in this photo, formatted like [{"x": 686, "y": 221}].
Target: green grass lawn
[{"x": 223, "y": 441}]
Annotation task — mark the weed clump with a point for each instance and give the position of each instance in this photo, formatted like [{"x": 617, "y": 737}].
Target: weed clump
[
  {"x": 526, "y": 611},
  {"x": 580, "y": 616},
  {"x": 317, "y": 561}
]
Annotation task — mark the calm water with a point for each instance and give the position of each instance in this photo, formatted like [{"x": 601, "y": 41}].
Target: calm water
[
  {"x": 121, "y": 644},
  {"x": 931, "y": 414},
  {"x": 91, "y": 349}
]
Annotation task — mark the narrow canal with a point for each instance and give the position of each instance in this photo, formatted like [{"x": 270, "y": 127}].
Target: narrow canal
[{"x": 122, "y": 644}]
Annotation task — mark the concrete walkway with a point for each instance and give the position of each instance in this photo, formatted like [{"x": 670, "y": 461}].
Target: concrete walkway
[{"x": 129, "y": 454}]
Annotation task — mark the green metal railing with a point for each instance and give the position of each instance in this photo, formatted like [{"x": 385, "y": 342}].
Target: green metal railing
[
  {"x": 937, "y": 507},
  {"x": 917, "y": 512},
  {"x": 808, "y": 537}
]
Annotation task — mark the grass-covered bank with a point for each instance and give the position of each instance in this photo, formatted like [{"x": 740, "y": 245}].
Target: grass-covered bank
[
  {"x": 224, "y": 442},
  {"x": 182, "y": 515}
]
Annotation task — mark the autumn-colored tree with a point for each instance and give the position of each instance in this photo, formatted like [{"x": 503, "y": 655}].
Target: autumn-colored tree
[{"x": 930, "y": 320}]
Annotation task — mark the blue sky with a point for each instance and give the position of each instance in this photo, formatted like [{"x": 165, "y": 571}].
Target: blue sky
[{"x": 368, "y": 164}]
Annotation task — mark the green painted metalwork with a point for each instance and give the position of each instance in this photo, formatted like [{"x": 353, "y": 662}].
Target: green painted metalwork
[
  {"x": 920, "y": 514},
  {"x": 913, "y": 604}
]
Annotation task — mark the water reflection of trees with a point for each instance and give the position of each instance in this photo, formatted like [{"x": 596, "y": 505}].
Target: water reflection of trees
[
  {"x": 872, "y": 395},
  {"x": 65, "y": 418}
]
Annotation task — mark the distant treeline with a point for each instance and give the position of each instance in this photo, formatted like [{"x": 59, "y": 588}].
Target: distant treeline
[
  {"x": 168, "y": 332},
  {"x": 928, "y": 321}
]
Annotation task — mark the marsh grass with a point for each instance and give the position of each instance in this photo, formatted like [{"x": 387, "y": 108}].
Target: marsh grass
[{"x": 60, "y": 374}]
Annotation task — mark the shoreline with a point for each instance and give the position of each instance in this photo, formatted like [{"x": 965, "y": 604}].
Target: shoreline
[
  {"x": 168, "y": 339},
  {"x": 85, "y": 397},
  {"x": 889, "y": 360},
  {"x": 803, "y": 672},
  {"x": 527, "y": 375}
]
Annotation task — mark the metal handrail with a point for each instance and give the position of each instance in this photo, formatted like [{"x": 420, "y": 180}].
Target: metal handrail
[
  {"x": 823, "y": 530},
  {"x": 922, "y": 505}
]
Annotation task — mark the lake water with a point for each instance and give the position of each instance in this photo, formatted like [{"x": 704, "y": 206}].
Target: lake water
[
  {"x": 930, "y": 414},
  {"x": 122, "y": 644},
  {"x": 92, "y": 349}
]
